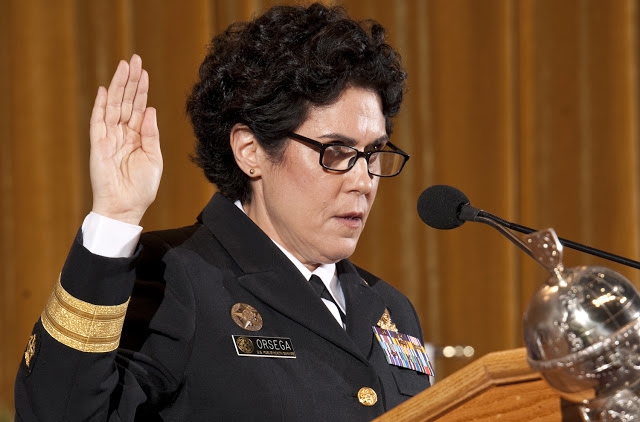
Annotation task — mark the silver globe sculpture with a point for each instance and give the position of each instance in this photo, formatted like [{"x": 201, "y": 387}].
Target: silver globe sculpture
[{"x": 582, "y": 333}]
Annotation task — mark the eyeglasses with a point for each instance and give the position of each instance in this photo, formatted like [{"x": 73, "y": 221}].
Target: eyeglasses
[{"x": 339, "y": 157}]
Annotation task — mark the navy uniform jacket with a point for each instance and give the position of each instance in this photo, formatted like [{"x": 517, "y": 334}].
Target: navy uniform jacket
[{"x": 177, "y": 359}]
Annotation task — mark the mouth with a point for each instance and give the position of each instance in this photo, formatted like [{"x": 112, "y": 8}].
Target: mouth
[
  {"x": 352, "y": 215},
  {"x": 353, "y": 220}
]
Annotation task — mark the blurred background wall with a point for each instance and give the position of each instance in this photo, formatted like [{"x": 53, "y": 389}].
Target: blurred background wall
[{"x": 530, "y": 107}]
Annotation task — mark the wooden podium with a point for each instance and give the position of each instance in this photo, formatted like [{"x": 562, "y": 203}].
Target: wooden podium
[{"x": 497, "y": 387}]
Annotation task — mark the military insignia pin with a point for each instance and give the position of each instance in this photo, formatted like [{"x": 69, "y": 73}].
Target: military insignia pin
[
  {"x": 246, "y": 317},
  {"x": 30, "y": 351},
  {"x": 385, "y": 322}
]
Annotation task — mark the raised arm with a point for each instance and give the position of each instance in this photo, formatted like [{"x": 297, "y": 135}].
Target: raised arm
[
  {"x": 125, "y": 161},
  {"x": 70, "y": 371}
]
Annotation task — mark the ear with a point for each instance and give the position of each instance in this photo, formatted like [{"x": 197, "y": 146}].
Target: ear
[{"x": 245, "y": 149}]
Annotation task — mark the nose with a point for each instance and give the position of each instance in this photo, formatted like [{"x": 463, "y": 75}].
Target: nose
[{"x": 363, "y": 181}]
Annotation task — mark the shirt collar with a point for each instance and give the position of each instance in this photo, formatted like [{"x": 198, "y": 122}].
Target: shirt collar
[{"x": 326, "y": 272}]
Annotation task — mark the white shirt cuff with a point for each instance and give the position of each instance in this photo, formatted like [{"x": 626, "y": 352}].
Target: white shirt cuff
[{"x": 110, "y": 238}]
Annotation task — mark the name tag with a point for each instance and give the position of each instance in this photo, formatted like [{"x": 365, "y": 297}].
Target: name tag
[
  {"x": 403, "y": 350},
  {"x": 264, "y": 347}
]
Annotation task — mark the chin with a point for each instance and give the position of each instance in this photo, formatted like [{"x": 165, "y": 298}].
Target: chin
[{"x": 340, "y": 253}]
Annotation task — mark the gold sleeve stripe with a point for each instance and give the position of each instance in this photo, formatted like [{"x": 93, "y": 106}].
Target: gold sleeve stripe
[{"x": 82, "y": 325}]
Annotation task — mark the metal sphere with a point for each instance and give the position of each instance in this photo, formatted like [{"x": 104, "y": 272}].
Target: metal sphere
[{"x": 582, "y": 333}]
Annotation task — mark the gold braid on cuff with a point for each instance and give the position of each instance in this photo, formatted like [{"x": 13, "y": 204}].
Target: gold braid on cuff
[{"x": 81, "y": 325}]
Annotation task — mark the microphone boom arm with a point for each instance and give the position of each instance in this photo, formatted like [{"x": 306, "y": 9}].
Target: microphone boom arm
[
  {"x": 445, "y": 207},
  {"x": 509, "y": 235},
  {"x": 568, "y": 243}
]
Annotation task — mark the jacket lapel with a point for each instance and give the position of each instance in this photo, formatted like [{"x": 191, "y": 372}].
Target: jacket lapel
[
  {"x": 269, "y": 275},
  {"x": 364, "y": 306},
  {"x": 290, "y": 295}
]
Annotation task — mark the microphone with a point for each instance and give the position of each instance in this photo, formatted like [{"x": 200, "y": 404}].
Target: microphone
[{"x": 445, "y": 207}]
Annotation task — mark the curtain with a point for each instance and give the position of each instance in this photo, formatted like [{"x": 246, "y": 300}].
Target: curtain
[{"x": 530, "y": 107}]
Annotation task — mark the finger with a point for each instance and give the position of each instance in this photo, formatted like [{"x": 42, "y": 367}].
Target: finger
[
  {"x": 140, "y": 103},
  {"x": 135, "y": 71},
  {"x": 97, "y": 128},
  {"x": 150, "y": 135},
  {"x": 115, "y": 94}
]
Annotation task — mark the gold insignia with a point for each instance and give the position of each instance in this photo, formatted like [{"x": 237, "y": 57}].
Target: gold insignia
[
  {"x": 385, "y": 322},
  {"x": 367, "y": 396},
  {"x": 246, "y": 316},
  {"x": 81, "y": 325},
  {"x": 245, "y": 345},
  {"x": 31, "y": 350}
]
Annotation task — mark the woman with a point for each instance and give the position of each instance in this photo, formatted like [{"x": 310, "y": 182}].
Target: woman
[{"x": 254, "y": 312}]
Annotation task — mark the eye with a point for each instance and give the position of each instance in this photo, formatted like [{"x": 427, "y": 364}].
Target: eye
[
  {"x": 337, "y": 157},
  {"x": 376, "y": 147},
  {"x": 339, "y": 150}
]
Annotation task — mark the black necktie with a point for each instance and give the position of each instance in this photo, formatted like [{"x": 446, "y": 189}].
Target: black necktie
[{"x": 322, "y": 291}]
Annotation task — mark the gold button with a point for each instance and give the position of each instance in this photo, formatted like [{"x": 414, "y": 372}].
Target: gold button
[{"x": 367, "y": 396}]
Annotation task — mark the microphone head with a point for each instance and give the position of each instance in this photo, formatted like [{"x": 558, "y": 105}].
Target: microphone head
[{"x": 440, "y": 205}]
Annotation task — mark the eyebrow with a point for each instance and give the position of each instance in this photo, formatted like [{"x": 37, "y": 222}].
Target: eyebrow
[{"x": 346, "y": 140}]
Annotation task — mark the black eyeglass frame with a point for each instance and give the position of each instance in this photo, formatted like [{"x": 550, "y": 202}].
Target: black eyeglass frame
[{"x": 366, "y": 154}]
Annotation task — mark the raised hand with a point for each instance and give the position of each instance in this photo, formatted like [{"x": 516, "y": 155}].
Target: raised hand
[{"x": 125, "y": 160}]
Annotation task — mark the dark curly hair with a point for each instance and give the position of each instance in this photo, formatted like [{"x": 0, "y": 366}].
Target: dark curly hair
[{"x": 266, "y": 73}]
